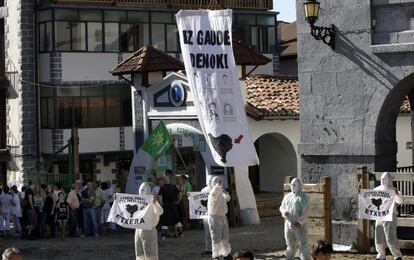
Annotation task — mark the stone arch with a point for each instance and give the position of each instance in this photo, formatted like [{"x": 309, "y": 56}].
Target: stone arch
[
  {"x": 385, "y": 130},
  {"x": 277, "y": 158}
]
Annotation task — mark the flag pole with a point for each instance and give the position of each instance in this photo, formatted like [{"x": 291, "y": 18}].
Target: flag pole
[{"x": 179, "y": 154}]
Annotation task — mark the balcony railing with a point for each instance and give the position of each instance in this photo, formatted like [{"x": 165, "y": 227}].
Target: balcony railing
[{"x": 175, "y": 4}]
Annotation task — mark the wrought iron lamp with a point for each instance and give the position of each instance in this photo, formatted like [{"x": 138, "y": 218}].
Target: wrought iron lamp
[{"x": 325, "y": 34}]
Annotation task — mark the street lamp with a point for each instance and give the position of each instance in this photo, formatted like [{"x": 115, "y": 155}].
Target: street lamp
[{"x": 326, "y": 34}]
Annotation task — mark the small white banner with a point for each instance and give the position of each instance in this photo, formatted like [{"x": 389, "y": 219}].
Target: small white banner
[
  {"x": 198, "y": 204},
  {"x": 206, "y": 45},
  {"x": 132, "y": 211},
  {"x": 376, "y": 204}
]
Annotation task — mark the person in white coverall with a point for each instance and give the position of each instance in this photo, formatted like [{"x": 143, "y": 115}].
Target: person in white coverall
[
  {"x": 295, "y": 211},
  {"x": 146, "y": 241},
  {"x": 217, "y": 220},
  {"x": 386, "y": 231},
  {"x": 207, "y": 237}
]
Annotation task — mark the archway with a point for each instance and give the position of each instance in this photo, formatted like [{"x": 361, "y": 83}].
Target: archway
[
  {"x": 386, "y": 146},
  {"x": 277, "y": 158}
]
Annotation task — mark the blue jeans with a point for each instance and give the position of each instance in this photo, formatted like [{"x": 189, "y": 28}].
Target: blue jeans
[
  {"x": 73, "y": 219},
  {"x": 98, "y": 217},
  {"x": 90, "y": 226}
]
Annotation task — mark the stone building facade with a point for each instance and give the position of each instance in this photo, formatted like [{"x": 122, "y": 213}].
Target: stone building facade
[{"x": 351, "y": 95}]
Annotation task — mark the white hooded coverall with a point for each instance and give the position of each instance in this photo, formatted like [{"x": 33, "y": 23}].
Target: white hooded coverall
[
  {"x": 146, "y": 241},
  {"x": 207, "y": 237},
  {"x": 386, "y": 231},
  {"x": 295, "y": 211},
  {"x": 217, "y": 220}
]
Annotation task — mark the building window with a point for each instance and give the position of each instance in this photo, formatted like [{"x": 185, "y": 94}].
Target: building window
[
  {"x": 172, "y": 38},
  {"x": 112, "y": 37},
  {"x": 158, "y": 36},
  {"x": 62, "y": 36},
  {"x": 83, "y": 107},
  {"x": 45, "y": 36},
  {"x": 78, "y": 36},
  {"x": 94, "y": 36}
]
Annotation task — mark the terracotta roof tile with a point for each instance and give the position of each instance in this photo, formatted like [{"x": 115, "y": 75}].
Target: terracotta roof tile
[
  {"x": 272, "y": 96},
  {"x": 246, "y": 55},
  {"x": 147, "y": 59}
]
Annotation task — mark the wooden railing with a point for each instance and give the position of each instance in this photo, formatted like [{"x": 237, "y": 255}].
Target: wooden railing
[{"x": 175, "y": 4}]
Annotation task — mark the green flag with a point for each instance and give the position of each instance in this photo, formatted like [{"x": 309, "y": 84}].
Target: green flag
[{"x": 158, "y": 142}]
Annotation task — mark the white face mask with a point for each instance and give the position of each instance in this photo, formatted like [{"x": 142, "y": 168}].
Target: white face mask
[
  {"x": 295, "y": 186},
  {"x": 386, "y": 180}
]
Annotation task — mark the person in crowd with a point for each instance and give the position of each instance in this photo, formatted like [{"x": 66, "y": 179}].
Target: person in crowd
[
  {"x": 49, "y": 210},
  {"x": 11, "y": 253},
  {"x": 207, "y": 237},
  {"x": 187, "y": 188},
  {"x": 170, "y": 176},
  {"x": 243, "y": 255},
  {"x": 110, "y": 199},
  {"x": 100, "y": 198},
  {"x": 73, "y": 202},
  {"x": 168, "y": 194},
  {"x": 146, "y": 241},
  {"x": 156, "y": 189},
  {"x": 386, "y": 231},
  {"x": 179, "y": 202},
  {"x": 5, "y": 207},
  {"x": 23, "y": 204},
  {"x": 322, "y": 250},
  {"x": 217, "y": 220},
  {"x": 39, "y": 202},
  {"x": 105, "y": 208},
  {"x": 62, "y": 214},
  {"x": 295, "y": 211},
  {"x": 16, "y": 210},
  {"x": 89, "y": 211},
  {"x": 30, "y": 216},
  {"x": 79, "y": 190}
]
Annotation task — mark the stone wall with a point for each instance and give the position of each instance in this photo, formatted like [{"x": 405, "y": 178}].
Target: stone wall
[{"x": 350, "y": 98}]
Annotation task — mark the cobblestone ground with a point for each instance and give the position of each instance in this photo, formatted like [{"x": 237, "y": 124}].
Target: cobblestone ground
[{"x": 265, "y": 240}]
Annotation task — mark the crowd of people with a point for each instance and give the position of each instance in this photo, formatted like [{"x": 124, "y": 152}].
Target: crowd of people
[{"x": 38, "y": 211}]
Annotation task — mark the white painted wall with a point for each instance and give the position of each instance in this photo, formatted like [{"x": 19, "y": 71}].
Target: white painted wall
[
  {"x": 403, "y": 128},
  {"x": 44, "y": 67},
  {"x": 91, "y": 140},
  {"x": 106, "y": 171},
  {"x": 88, "y": 66}
]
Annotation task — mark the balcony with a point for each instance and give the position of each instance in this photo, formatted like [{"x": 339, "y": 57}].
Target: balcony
[{"x": 173, "y": 4}]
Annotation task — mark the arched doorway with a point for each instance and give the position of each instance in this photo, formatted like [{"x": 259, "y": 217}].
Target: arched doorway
[
  {"x": 386, "y": 146},
  {"x": 277, "y": 158}
]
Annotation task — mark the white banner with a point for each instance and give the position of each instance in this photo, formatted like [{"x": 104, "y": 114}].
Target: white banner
[
  {"x": 198, "y": 204},
  {"x": 205, "y": 38},
  {"x": 132, "y": 211},
  {"x": 376, "y": 204}
]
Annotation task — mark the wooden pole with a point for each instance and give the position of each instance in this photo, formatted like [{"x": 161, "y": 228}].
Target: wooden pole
[
  {"x": 326, "y": 184},
  {"x": 181, "y": 157},
  {"x": 75, "y": 153},
  {"x": 364, "y": 232}
]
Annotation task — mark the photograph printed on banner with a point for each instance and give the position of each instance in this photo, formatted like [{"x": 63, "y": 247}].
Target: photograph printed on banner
[
  {"x": 224, "y": 82},
  {"x": 228, "y": 108}
]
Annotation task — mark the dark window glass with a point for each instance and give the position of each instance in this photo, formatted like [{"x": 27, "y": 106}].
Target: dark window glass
[
  {"x": 43, "y": 111},
  {"x": 172, "y": 38},
  {"x": 91, "y": 92},
  {"x": 111, "y": 37},
  {"x": 115, "y": 16},
  {"x": 64, "y": 108},
  {"x": 42, "y": 37},
  {"x": 89, "y": 15},
  {"x": 47, "y": 112},
  {"x": 265, "y": 20},
  {"x": 80, "y": 109},
  {"x": 62, "y": 36},
  {"x": 126, "y": 111},
  {"x": 95, "y": 112},
  {"x": 66, "y": 14},
  {"x": 114, "y": 90},
  {"x": 45, "y": 15},
  {"x": 161, "y": 17},
  {"x": 158, "y": 36},
  {"x": 46, "y": 92},
  {"x": 243, "y": 34},
  {"x": 263, "y": 40},
  {"x": 246, "y": 19},
  {"x": 68, "y": 92},
  {"x": 133, "y": 36},
  {"x": 113, "y": 111},
  {"x": 94, "y": 36},
  {"x": 141, "y": 17},
  {"x": 79, "y": 36}
]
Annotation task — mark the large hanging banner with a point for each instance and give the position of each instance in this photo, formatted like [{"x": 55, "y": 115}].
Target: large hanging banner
[
  {"x": 132, "y": 211},
  {"x": 198, "y": 204},
  {"x": 376, "y": 205},
  {"x": 205, "y": 38}
]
